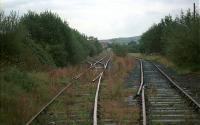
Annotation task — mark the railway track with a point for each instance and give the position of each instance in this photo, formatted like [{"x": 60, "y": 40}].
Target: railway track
[
  {"x": 96, "y": 109},
  {"x": 163, "y": 101},
  {"x": 74, "y": 103}
]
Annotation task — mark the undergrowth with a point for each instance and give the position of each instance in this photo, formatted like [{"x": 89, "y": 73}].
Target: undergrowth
[
  {"x": 23, "y": 93},
  {"x": 114, "y": 92},
  {"x": 165, "y": 61}
]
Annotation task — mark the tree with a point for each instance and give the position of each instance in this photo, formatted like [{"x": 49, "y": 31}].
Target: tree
[{"x": 178, "y": 39}]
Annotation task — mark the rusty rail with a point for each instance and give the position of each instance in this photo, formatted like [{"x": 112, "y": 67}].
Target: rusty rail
[
  {"x": 96, "y": 100},
  {"x": 59, "y": 93},
  {"x": 144, "y": 119},
  {"x": 141, "y": 79},
  {"x": 91, "y": 66},
  {"x": 142, "y": 91},
  {"x": 50, "y": 102},
  {"x": 95, "y": 120}
]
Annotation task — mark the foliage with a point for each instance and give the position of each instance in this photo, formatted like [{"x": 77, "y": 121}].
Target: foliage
[
  {"x": 123, "y": 49},
  {"x": 151, "y": 40},
  {"x": 178, "y": 39},
  {"x": 20, "y": 78},
  {"x": 65, "y": 45},
  {"x": 23, "y": 93},
  {"x": 31, "y": 44},
  {"x": 133, "y": 47},
  {"x": 43, "y": 38},
  {"x": 119, "y": 50},
  {"x": 16, "y": 47},
  {"x": 14, "y": 85}
]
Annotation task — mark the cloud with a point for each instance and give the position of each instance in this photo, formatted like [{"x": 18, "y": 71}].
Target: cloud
[{"x": 105, "y": 18}]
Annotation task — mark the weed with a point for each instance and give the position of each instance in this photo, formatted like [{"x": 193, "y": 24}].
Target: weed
[
  {"x": 24, "y": 93},
  {"x": 113, "y": 93}
]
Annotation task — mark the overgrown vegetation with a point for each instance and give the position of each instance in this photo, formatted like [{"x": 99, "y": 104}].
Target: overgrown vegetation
[
  {"x": 23, "y": 93},
  {"x": 114, "y": 93},
  {"x": 36, "y": 39},
  {"x": 119, "y": 50},
  {"x": 123, "y": 49},
  {"x": 76, "y": 102},
  {"x": 178, "y": 39},
  {"x": 37, "y": 54}
]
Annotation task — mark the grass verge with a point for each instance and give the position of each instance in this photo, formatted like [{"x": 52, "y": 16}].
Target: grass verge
[{"x": 163, "y": 60}]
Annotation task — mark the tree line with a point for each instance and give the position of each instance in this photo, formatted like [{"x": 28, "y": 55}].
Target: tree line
[
  {"x": 36, "y": 39},
  {"x": 123, "y": 49},
  {"x": 178, "y": 39}
]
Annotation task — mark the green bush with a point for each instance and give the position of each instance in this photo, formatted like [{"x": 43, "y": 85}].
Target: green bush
[
  {"x": 177, "y": 39},
  {"x": 16, "y": 46},
  {"x": 36, "y": 39},
  {"x": 65, "y": 45},
  {"x": 133, "y": 47},
  {"x": 19, "y": 79},
  {"x": 120, "y": 50}
]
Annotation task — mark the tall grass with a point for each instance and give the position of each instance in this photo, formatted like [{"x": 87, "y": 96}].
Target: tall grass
[
  {"x": 163, "y": 60},
  {"x": 113, "y": 92},
  {"x": 24, "y": 93}
]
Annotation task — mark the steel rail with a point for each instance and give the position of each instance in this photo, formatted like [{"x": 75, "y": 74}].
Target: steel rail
[
  {"x": 141, "y": 78},
  {"x": 96, "y": 100},
  {"x": 97, "y": 93},
  {"x": 91, "y": 66},
  {"x": 144, "y": 119},
  {"x": 96, "y": 77},
  {"x": 142, "y": 91},
  {"x": 58, "y": 94},
  {"x": 106, "y": 64},
  {"x": 50, "y": 102},
  {"x": 98, "y": 61},
  {"x": 195, "y": 103}
]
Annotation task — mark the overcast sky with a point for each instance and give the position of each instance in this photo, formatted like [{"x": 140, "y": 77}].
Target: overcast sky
[{"x": 104, "y": 18}]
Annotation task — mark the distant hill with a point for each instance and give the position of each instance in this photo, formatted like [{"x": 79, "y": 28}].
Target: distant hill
[{"x": 121, "y": 40}]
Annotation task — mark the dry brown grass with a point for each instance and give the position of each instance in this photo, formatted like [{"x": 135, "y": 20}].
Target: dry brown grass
[
  {"x": 50, "y": 86},
  {"x": 79, "y": 97},
  {"x": 163, "y": 60},
  {"x": 19, "y": 106},
  {"x": 152, "y": 90},
  {"x": 114, "y": 93}
]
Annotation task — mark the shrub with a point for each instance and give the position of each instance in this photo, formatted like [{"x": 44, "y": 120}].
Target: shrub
[
  {"x": 19, "y": 79},
  {"x": 177, "y": 39},
  {"x": 120, "y": 50}
]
